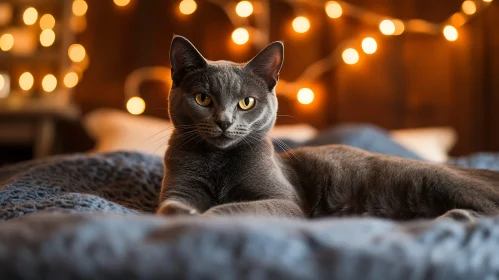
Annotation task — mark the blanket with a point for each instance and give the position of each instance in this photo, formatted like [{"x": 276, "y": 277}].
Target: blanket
[{"x": 89, "y": 217}]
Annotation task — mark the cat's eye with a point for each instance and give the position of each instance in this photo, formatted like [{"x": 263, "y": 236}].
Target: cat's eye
[
  {"x": 246, "y": 103},
  {"x": 203, "y": 99}
]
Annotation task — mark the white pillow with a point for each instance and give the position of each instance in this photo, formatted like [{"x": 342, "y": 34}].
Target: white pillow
[
  {"x": 116, "y": 130},
  {"x": 432, "y": 144}
]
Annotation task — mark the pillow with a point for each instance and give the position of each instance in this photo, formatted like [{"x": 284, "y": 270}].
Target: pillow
[
  {"x": 432, "y": 144},
  {"x": 116, "y": 130}
]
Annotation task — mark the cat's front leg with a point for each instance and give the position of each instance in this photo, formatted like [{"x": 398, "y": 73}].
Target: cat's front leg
[{"x": 175, "y": 208}]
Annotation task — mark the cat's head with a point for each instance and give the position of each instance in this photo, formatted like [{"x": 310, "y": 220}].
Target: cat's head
[{"x": 225, "y": 103}]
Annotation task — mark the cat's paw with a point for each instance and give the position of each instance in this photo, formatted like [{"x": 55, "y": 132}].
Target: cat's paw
[
  {"x": 460, "y": 215},
  {"x": 175, "y": 208}
]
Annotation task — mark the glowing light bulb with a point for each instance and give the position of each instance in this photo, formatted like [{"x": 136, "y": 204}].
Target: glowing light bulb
[
  {"x": 350, "y": 56},
  {"x": 301, "y": 24},
  {"x": 369, "y": 45},
  {"x": 47, "y": 37},
  {"x": 387, "y": 27},
  {"x": 80, "y": 7},
  {"x": 49, "y": 83},
  {"x": 450, "y": 33},
  {"x": 305, "y": 96},
  {"x": 47, "y": 21},
  {"x": 240, "y": 36},
  {"x": 30, "y": 16},
  {"x": 71, "y": 80},
  {"x": 399, "y": 27},
  {"x": 136, "y": 105},
  {"x": 333, "y": 9},
  {"x": 244, "y": 9},
  {"x": 121, "y": 3},
  {"x": 26, "y": 81},
  {"x": 487, "y": 1},
  {"x": 76, "y": 52},
  {"x": 6, "y": 42},
  {"x": 469, "y": 7},
  {"x": 187, "y": 7}
]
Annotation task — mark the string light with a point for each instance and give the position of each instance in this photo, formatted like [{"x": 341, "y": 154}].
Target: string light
[
  {"x": 47, "y": 37},
  {"x": 305, "y": 96},
  {"x": 399, "y": 27},
  {"x": 49, "y": 83},
  {"x": 26, "y": 81},
  {"x": 244, "y": 9},
  {"x": 80, "y": 7},
  {"x": 30, "y": 16},
  {"x": 333, "y": 9},
  {"x": 301, "y": 24},
  {"x": 187, "y": 7},
  {"x": 450, "y": 33},
  {"x": 469, "y": 7},
  {"x": 387, "y": 27},
  {"x": 369, "y": 45},
  {"x": 350, "y": 56},
  {"x": 47, "y": 21},
  {"x": 121, "y": 3},
  {"x": 6, "y": 42},
  {"x": 71, "y": 79},
  {"x": 136, "y": 105},
  {"x": 76, "y": 52},
  {"x": 240, "y": 36}
]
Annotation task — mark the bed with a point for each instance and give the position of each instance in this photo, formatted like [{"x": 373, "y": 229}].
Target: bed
[{"x": 89, "y": 216}]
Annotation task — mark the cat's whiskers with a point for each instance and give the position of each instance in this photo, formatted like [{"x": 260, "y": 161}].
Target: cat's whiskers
[{"x": 286, "y": 149}]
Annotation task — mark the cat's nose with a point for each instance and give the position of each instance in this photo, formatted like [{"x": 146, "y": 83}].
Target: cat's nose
[{"x": 223, "y": 125}]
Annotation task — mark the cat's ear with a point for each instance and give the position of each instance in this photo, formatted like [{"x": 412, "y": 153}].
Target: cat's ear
[
  {"x": 184, "y": 57},
  {"x": 267, "y": 64}
]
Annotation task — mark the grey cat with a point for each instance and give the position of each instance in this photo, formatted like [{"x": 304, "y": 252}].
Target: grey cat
[{"x": 221, "y": 162}]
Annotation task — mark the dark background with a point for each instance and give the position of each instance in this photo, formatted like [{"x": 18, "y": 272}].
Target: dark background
[{"x": 413, "y": 80}]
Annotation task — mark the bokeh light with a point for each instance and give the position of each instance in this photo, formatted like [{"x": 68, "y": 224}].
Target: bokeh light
[
  {"x": 450, "y": 33},
  {"x": 301, "y": 24},
  {"x": 71, "y": 79},
  {"x": 121, "y": 3},
  {"x": 469, "y": 7},
  {"x": 30, "y": 16},
  {"x": 240, "y": 36},
  {"x": 488, "y": 1},
  {"x": 6, "y": 42},
  {"x": 305, "y": 96},
  {"x": 136, "y": 105},
  {"x": 369, "y": 45},
  {"x": 187, "y": 7},
  {"x": 350, "y": 56},
  {"x": 244, "y": 9},
  {"x": 80, "y": 7},
  {"x": 47, "y": 21},
  {"x": 76, "y": 52},
  {"x": 2, "y": 82},
  {"x": 49, "y": 83},
  {"x": 387, "y": 27},
  {"x": 399, "y": 27},
  {"x": 458, "y": 19},
  {"x": 333, "y": 9},
  {"x": 47, "y": 37},
  {"x": 26, "y": 81}
]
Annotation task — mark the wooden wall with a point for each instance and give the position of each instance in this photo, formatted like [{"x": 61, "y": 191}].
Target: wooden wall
[{"x": 412, "y": 81}]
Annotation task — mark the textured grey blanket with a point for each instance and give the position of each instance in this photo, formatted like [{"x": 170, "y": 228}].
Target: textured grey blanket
[{"x": 116, "y": 238}]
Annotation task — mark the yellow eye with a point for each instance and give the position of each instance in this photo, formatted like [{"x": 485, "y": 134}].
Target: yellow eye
[
  {"x": 203, "y": 99},
  {"x": 246, "y": 103}
]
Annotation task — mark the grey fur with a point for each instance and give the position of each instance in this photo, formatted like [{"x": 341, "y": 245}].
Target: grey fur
[{"x": 233, "y": 171}]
